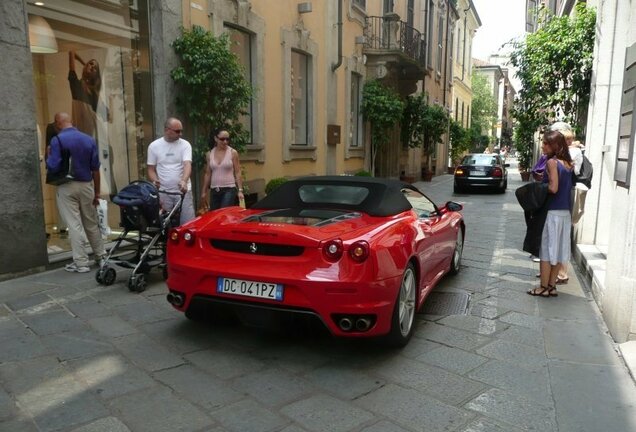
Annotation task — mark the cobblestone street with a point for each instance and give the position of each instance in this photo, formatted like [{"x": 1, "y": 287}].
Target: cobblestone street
[{"x": 80, "y": 357}]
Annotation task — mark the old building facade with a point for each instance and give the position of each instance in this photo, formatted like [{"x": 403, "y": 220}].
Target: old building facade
[{"x": 307, "y": 61}]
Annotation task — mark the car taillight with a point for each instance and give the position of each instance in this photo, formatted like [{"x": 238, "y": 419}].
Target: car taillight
[
  {"x": 359, "y": 251},
  {"x": 497, "y": 172},
  {"x": 188, "y": 237},
  {"x": 332, "y": 250},
  {"x": 174, "y": 236}
]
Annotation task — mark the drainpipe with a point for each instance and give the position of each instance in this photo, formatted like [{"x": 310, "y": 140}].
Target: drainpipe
[
  {"x": 446, "y": 156},
  {"x": 339, "y": 62},
  {"x": 448, "y": 6},
  {"x": 464, "y": 43},
  {"x": 426, "y": 42}
]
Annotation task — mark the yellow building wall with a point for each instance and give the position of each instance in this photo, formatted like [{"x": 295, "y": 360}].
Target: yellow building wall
[{"x": 320, "y": 27}]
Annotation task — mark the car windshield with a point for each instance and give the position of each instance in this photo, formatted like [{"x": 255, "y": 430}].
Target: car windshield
[
  {"x": 332, "y": 194},
  {"x": 480, "y": 159}
]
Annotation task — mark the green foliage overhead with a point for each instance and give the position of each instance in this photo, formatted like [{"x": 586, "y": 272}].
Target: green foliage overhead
[
  {"x": 483, "y": 113},
  {"x": 212, "y": 90},
  {"x": 382, "y": 108},
  {"x": 554, "y": 65}
]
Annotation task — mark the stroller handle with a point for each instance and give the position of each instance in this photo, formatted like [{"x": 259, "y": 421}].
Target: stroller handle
[{"x": 165, "y": 192}]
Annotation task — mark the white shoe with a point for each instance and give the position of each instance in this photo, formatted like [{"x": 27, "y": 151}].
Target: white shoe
[{"x": 74, "y": 268}]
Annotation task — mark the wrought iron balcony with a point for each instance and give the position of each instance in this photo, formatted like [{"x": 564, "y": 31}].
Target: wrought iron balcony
[{"x": 388, "y": 34}]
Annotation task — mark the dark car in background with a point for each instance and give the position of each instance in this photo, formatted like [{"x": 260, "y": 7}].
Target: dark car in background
[{"x": 481, "y": 171}]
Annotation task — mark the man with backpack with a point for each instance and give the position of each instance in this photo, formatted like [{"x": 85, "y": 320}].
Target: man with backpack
[{"x": 78, "y": 195}]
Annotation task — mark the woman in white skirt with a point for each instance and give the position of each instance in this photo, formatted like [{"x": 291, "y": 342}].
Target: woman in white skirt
[{"x": 555, "y": 239}]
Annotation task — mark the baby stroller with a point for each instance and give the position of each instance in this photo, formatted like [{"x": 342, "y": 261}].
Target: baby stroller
[{"x": 145, "y": 249}]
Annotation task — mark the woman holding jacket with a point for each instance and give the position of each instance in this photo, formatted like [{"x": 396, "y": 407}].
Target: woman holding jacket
[{"x": 555, "y": 238}]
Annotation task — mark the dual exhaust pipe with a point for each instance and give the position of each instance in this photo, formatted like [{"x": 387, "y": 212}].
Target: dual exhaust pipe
[
  {"x": 175, "y": 299},
  {"x": 355, "y": 323}
]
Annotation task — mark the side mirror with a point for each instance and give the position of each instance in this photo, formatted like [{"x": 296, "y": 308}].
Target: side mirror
[{"x": 453, "y": 206}]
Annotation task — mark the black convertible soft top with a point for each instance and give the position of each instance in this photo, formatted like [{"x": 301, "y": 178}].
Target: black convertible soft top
[{"x": 378, "y": 196}]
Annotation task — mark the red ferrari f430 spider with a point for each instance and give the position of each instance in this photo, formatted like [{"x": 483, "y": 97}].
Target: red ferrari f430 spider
[{"x": 360, "y": 254}]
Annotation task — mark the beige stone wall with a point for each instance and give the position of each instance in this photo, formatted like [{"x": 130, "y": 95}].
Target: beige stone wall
[{"x": 279, "y": 28}]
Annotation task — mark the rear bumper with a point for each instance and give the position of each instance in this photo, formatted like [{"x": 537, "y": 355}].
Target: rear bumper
[
  {"x": 324, "y": 300},
  {"x": 480, "y": 181}
]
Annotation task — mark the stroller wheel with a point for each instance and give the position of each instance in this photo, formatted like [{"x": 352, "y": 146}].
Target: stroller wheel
[
  {"x": 137, "y": 283},
  {"x": 105, "y": 276}
]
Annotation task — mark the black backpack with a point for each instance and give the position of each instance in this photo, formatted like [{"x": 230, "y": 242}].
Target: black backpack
[{"x": 585, "y": 174}]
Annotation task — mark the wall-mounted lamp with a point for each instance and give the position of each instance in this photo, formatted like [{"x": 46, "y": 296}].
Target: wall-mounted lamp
[
  {"x": 304, "y": 7},
  {"x": 41, "y": 36}
]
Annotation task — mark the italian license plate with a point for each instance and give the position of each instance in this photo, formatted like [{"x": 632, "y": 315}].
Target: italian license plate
[
  {"x": 264, "y": 290},
  {"x": 478, "y": 173}
]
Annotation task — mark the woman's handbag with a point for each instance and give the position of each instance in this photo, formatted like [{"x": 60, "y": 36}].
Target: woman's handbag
[{"x": 65, "y": 173}]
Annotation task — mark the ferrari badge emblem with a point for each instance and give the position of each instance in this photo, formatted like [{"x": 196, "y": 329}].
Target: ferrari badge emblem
[{"x": 253, "y": 248}]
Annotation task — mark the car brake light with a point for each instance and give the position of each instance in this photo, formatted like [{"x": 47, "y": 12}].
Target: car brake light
[
  {"x": 174, "y": 236},
  {"x": 332, "y": 250},
  {"x": 359, "y": 251},
  {"x": 496, "y": 172},
  {"x": 188, "y": 238}
]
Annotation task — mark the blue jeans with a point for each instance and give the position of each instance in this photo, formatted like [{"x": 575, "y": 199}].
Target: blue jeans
[{"x": 224, "y": 197}]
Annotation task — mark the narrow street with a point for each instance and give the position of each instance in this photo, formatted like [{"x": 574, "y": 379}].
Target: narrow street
[{"x": 486, "y": 357}]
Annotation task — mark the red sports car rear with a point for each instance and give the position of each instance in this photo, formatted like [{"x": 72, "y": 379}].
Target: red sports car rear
[{"x": 352, "y": 252}]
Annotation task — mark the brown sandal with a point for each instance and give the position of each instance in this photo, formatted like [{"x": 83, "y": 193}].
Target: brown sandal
[
  {"x": 543, "y": 291},
  {"x": 562, "y": 281},
  {"x": 553, "y": 291}
]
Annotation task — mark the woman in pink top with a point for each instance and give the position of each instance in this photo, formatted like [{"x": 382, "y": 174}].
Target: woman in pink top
[{"x": 223, "y": 173}]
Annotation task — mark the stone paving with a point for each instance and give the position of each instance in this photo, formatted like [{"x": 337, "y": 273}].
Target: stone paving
[{"x": 75, "y": 356}]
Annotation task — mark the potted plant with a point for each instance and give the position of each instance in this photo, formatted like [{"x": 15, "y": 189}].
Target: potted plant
[
  {"x": 524, "y": 139},
  {"x": 427, "y": 174},
  {"x": 460, "y": 139},
  {"x": 206, "y": 98},
  {"x": 382, "y": 109},
  {"x": 423, "y": 125},
  {"x": 273, "y": 184}
]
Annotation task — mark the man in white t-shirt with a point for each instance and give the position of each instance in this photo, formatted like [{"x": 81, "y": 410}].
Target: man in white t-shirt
[{"x": 169, "y": 168}]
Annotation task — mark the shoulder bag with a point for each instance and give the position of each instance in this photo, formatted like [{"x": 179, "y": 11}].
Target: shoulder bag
[{"x": 65, "y": 173}]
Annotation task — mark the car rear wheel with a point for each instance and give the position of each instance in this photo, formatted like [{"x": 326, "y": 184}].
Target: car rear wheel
[
  {"x": 457, "y": 253},
  {"x": 503, "y": 188},
  {"x": 403, "y": 320}
]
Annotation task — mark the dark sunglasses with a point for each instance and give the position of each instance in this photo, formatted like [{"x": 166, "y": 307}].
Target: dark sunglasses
[
  {"x": 176, "y": 130},
  {"x": 223, "y": 138}
]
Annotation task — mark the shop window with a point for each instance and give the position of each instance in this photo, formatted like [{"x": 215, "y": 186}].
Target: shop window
[
  {"x": 429, "y": 34},
  {"x": 362, "y": 4},
  {"x": 99, "y": 73},
  {"x": 356, "y": 129},
  {"x": 627, "y": 125},
  {"x": 299, "y": 98},
  {"x": 241, "y": 45},
  {"x": 299, "y": 104},
  {"x": 440, "y": 42}
]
